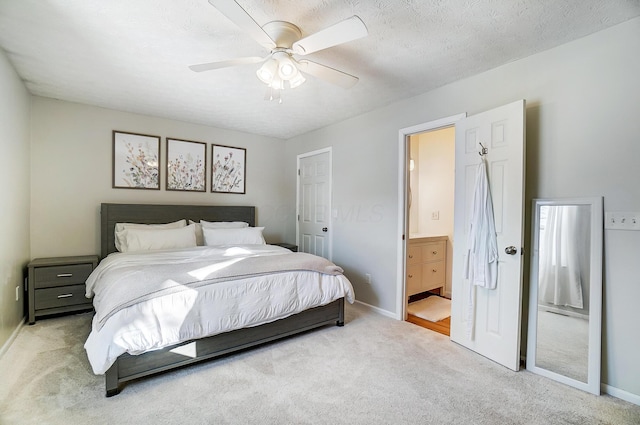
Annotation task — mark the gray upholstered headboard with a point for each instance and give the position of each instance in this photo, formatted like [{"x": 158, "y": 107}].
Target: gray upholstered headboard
[{"x": 110, "y": 214}]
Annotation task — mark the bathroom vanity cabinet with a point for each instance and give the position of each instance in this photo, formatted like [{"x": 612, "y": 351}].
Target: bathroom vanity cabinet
[{"x": 426, "y": 264}]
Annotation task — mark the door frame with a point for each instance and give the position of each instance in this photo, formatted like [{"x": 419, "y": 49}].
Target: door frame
[
  {"x": 403, "y": 206},
  {"x": 329, "y": 197}
]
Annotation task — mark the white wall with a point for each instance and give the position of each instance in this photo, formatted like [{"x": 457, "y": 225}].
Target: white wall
[
  {"x": 14, "y": 196},
  {"x": 582, "y": 140},
  {"x": 436, "y": 171},
  {"x": 72, "y": 174}
]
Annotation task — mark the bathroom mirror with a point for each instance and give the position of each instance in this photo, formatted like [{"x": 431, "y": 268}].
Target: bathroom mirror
[{"x": 565, "y": 291}]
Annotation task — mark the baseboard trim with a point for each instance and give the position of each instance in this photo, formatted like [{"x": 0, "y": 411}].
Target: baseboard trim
[
  {"x": 12, "y": 337},
  {"x": 377, "y": 309},
  {"x": 621, "y": 394}
]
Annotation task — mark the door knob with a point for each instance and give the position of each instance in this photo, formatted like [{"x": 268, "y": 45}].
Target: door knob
[
  {"x": 511, "y": 250},
  {"x": 324, "y": 229}
]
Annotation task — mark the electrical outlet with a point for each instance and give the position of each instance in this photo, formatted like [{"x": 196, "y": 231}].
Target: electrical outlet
[
  {"x": 367, "y": 277},
  {"x": 435, "y": 215},
  {"x": 17, "y": 293}
]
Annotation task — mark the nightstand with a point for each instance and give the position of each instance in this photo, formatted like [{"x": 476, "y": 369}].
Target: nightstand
[
  {"x": 289, "y": 246},
  {"x": 57, "y": 285}
]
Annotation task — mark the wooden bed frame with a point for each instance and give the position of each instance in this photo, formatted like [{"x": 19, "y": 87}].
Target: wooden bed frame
[{"x": 129, "y": 367}]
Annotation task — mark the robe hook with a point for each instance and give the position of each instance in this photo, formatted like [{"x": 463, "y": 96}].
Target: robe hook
[{"x": 484, "y": 150}]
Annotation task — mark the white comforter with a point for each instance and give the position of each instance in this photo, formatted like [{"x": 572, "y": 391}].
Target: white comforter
[{"x": 196, "y": 311}]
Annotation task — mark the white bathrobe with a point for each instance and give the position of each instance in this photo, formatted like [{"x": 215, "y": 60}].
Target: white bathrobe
[{"x": 481, "y": 265}]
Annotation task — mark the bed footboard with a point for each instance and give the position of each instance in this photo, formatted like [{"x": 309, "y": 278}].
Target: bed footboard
[{"x": 128, "y": 367}]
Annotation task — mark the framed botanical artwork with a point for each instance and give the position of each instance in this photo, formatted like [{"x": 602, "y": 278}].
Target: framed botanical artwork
[
  {"x": 136, "y": 161},
  {"x": 228, "y": 169},
  {"x": 186, "y": 165}
]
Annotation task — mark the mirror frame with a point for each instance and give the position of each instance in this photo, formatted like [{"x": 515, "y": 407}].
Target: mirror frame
[{"x": 595, "y": 287}]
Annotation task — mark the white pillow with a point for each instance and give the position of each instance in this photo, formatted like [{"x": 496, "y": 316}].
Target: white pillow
[
  {"x": 244, "y": 236},
  {"x": 215, "y": 225},
  {"x": 224, "y": 224},
  {"x": 146, "y": 239},
  {"x": 120, "y": 227}
]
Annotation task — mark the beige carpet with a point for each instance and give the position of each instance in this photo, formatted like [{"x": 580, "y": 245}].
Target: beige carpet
[
  {"x": 433, "y": 308},
  {"x": 374, "y": 370}
]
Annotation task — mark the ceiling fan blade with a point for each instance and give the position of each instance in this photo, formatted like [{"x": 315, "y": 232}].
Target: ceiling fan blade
[
  {"x": 328, "y": 74},
  {"x": 348, "y": 30},
  {"x": 241, "y": 18},
  {"x": 224, "y": 64}
]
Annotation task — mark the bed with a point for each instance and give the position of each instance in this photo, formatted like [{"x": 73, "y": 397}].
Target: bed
[{"x": 134, "y": 362}]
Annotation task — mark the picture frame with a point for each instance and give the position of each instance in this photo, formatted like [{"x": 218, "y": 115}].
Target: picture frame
[
  {"x": 136, "y": 161},
  {"x": 228, "y": 169},
  {"x": 186, "y": 165}
]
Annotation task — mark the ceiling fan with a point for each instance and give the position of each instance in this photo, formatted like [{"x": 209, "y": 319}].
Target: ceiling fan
[{"x": 284, "y": 40}]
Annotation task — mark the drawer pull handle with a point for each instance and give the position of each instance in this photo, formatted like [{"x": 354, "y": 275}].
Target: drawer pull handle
[
  {"x": 65, "y": 295},
  {"x": 434, "y": 252},
  {"x": 435, "y": 270},
  {"x": 410, "y": 256},
  {"x": 410, "y": 276},
  {"x": 65, "y": 275}
]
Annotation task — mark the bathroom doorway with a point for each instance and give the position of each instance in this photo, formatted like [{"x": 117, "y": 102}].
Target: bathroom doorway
[
  {"x": 430, "y": 189},
  {"x": 502, "y": 129}
]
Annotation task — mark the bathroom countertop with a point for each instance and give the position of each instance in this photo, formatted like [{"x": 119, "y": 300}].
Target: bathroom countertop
[{"x": 425, "y": 238}]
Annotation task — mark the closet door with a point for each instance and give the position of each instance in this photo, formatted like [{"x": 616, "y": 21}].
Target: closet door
[
  {"x": 314, "y": 203},
  {"x": 496, "y": 316}
]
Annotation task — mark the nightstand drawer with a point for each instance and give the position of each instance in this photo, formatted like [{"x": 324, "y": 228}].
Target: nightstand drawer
[
  {"x": 61, "y": 296},
  {"x": 47, "y": 277}
]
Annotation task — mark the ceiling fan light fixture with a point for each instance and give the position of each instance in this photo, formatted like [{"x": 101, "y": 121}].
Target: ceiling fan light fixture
[
  {"x": 297, "y": 80},
  {"x": 268, "y": 71},
  {"x": 277, "y": 83},
  {"x": 286, "y": 68}
]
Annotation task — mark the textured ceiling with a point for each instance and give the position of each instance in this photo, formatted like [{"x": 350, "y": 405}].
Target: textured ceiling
[{"x": 133, "y": 55}]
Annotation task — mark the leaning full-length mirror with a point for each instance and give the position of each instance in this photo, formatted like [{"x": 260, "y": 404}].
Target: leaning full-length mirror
[{"x": 565, "y": 297}]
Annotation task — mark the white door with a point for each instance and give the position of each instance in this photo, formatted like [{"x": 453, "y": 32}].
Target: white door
[
  {"x": 496, "y": 328},
  {"x": 314, "y": 203}
]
